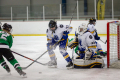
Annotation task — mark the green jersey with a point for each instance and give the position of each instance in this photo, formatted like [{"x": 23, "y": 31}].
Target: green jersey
[{"x": 6, "y": 38}]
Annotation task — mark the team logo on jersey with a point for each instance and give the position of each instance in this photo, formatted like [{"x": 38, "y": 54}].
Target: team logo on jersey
[
  {"x": 61, "y": 26},
  {"x": 90, "y": 37}
]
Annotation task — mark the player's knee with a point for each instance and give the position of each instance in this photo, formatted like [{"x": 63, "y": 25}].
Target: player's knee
[
  {"x": 62, "y": 51},
  {"x": 10, "y": 58}
]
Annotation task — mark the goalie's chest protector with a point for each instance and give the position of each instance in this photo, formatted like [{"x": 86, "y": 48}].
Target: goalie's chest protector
[{"x": 82, "y": 40}]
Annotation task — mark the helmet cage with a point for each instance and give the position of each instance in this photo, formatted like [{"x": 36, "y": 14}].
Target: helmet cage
[{"x": 82, "y": 28}]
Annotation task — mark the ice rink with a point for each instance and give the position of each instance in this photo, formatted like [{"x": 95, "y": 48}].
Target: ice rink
[{"x": 34, "y": 46}]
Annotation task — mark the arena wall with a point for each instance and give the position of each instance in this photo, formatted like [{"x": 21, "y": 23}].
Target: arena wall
[{"x": 39, "y": 28}]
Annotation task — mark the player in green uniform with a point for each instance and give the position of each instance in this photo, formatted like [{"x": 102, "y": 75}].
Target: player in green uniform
[{"x": 5, "y": 45}]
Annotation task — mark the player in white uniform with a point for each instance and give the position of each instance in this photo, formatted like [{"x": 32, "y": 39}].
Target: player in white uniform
[
  {"x": 85, "y": 40},
  {"x": 58, "y": 33},
  {"x": 91, "y": 28}
]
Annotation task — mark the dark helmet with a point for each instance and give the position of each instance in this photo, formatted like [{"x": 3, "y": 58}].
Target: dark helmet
[
  {"x": 52, "y": 24},
  {"x": 92, "y": 20},
  {"x": 7, "y": 27}
]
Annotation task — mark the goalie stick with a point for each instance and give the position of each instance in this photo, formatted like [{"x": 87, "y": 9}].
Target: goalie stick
[{"x": 103, "y": 41}]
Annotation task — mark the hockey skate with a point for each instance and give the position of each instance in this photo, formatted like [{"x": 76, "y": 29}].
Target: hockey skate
[
  {"x": 7, "y": 68},
  {"x": 52, "y": 63},
  {"x": 70, "y": 65},
  {"x": 21, "y": 72}
]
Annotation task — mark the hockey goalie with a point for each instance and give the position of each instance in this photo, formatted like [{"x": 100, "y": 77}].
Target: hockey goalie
[{"x": 87, "y": 57}]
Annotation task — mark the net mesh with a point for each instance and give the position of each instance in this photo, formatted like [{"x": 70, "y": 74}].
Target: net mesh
[{"x": 114, "y": 45}]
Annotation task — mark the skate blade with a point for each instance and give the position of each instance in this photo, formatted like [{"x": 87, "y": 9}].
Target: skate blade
[
  {"x": 55, "y": 66},
  {"x": 71, "y": 67},
  {"x": 24, "y": 76},
  {"x": 9, "y": 73}
]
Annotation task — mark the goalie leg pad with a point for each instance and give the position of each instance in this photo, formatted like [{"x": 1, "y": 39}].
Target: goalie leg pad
[{"x": 96, "y": 63}]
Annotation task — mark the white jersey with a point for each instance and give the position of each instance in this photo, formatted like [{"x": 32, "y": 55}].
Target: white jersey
[
  {"x": 86, "y": 40},
  {"x": 91, "y": 28},
  {"x": 58, "y": 32}
]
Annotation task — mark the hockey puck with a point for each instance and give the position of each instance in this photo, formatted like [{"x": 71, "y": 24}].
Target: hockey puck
[{"x": 40, "y": 72}]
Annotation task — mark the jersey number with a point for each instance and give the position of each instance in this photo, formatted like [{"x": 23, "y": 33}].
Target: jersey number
[{"x": 3, "y": 36}]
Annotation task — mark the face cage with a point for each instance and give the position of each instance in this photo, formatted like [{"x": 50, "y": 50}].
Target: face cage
[{"x": 80, "y": 29}]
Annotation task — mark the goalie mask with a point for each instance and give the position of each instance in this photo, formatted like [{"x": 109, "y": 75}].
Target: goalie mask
[
  {"x": 92, "y": 21},
  {"x": 82, "y": 28},
  {"x": 7, "y": 27},
  {"x": 52, "y": 25}
]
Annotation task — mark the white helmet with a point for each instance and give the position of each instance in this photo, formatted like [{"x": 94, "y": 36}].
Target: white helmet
[{"x": 82, "y": 28}]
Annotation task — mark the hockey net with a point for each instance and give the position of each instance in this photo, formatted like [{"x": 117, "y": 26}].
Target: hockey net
[{"x": 113, "y": 42}]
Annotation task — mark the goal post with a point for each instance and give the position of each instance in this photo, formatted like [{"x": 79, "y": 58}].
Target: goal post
[{"x": 113, "y": 44}]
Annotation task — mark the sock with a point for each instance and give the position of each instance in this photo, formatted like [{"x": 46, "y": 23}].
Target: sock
[{"x": 15, "y": 63}]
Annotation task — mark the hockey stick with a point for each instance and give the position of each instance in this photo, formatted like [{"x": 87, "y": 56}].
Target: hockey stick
[
  {"x": 73, "y": 13},
  {"x": 40, "y": 56},
  {"x": 28, "y": 58},
  {"x": 73, "y": 57},
  {"x": 103, "y": 41}
]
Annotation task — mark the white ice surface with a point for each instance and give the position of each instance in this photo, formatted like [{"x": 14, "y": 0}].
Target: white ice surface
[{"x": 34, "y": 46}]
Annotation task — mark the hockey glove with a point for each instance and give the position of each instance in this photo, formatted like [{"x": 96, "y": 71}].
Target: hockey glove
[
  {"x": 65, "y": 35},
  {"x": 102, "y": 54},
  {"x": 66, "y": 32},
  {"x": 97, "y": 37}
]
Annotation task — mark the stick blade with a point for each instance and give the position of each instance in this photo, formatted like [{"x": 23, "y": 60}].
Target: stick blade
[
  {"x": 105, "y": 41},
  {"x": 23, "y": 68}
]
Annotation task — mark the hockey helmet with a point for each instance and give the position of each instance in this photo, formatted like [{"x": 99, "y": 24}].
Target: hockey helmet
[
  {"x": 82, "y": 28},
  {"x": 7, "y": 27},
  {"x": 52, "y": 24},
  {"x": 92, "y": 21}
]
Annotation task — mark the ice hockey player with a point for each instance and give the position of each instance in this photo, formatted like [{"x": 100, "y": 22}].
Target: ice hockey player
[
  {"x": 57, "y": 34},
  {"x": 98, "y": 51},
  {"x": 85, "y": 40},
  {"x": 91, "y": 28},
  {"x": 5, "y": 45}
]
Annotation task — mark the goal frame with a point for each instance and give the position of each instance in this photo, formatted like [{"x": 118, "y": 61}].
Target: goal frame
[{"x": 108, "y": 42}]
